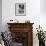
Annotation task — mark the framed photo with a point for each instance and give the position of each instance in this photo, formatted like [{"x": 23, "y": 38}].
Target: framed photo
[{"x": 20, "y": 9}]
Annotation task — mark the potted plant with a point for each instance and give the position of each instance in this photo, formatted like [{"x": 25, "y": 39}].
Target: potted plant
[{"x": 41, "y": 36}]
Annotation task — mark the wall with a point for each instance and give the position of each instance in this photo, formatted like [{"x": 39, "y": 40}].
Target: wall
[
  {"x": 32, "y": 11},
  {"x": 43, "y": 14},
  {"x": 0, "y": 15},
  {"x": 43, "y": 6}
]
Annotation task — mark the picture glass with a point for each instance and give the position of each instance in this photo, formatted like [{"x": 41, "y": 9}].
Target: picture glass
[{"x": 20, "y": 9}]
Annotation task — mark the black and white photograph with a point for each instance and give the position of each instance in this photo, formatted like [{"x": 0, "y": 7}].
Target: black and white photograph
[{"x": 20, "y": 9}]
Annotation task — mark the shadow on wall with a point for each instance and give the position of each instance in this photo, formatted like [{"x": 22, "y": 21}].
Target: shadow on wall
[
  {"x": 43, "y": 6},
  {"x": 0, "y": 15}
]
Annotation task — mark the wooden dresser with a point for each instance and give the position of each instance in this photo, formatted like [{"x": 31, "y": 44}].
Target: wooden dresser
[{"x": 22, "y": 33}]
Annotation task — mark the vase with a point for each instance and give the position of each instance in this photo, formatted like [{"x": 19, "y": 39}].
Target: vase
[{"x": 41, "y": 43}]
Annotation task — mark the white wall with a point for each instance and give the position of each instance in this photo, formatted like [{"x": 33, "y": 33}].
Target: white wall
[
  {"x": 43, "y": 14},
  {"x": 0, "y": 15},
  {"x": 32, "y": 11},
  {"x": 43, "y": 6},
  {"x": 35, "y": 19}
]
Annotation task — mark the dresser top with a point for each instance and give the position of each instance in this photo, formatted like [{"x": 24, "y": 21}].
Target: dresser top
[{"x": 19, "y": 23}]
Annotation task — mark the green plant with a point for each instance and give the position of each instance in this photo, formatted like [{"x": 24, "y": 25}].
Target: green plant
[{"x": 40, "y": 34}]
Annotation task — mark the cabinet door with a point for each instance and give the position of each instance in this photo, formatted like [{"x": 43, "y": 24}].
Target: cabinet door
[{"x": 20, "y": 37}]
